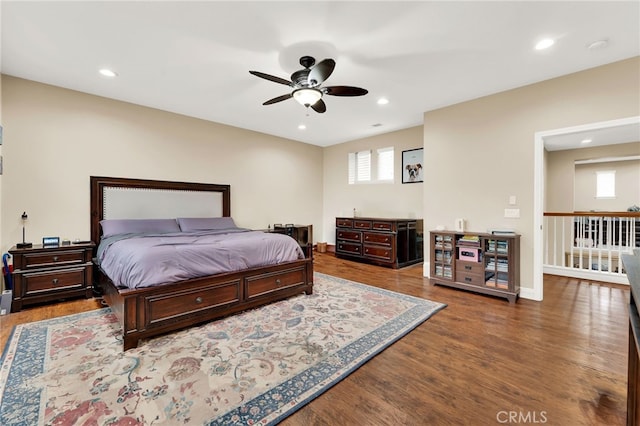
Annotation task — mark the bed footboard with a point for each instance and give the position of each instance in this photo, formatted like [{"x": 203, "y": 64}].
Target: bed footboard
[{"x": 149, "y": 312}]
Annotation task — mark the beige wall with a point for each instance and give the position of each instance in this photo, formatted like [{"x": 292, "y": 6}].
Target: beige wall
[
  {"x": 381, "y": 200},
  {"x": 561, "y": 177},
  {"x": 56, "y": 138},
  {"x": 478, "y": 153}
]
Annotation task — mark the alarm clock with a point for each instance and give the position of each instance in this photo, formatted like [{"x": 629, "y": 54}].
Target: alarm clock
[{"x": 50, "y": 241}]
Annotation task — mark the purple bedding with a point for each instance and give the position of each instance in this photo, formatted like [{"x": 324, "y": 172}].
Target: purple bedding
[{"x": 144, "y": 260}]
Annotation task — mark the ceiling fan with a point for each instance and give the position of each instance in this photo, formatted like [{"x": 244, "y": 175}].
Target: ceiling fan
[{"x": 306, "y": 84}]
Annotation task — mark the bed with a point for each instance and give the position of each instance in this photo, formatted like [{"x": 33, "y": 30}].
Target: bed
[{"x": 147, "y": 309}]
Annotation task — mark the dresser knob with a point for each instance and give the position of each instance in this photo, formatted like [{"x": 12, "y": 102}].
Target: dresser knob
[
  {"x": 198, "y": 300},
  {"x": 54, "y": 281},
  {"x": 55, "y": 258},
  {"x": 278, "y": 281}
]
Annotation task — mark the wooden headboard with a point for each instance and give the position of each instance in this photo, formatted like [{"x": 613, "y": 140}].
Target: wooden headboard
[{"x": 124, "y": 198}]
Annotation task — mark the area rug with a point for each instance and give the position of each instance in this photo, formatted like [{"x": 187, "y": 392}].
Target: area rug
[{"x": 256, "y": 367}]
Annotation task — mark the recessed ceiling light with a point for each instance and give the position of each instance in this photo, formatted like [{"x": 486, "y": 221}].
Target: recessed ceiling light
[
  {"x": 585, "y": 141},
  {"x": 545, "y": 44},
  {"x": 108, "y": 73},
  {"x": 383, "y": 101},
  {"x": 302, "y": 127}
]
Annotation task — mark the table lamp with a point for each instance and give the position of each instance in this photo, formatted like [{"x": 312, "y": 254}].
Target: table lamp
[{"x": 24, "y": 244}]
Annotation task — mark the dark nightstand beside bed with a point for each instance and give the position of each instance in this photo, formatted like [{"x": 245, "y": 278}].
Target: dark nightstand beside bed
[{"x": 45, "y": 274}]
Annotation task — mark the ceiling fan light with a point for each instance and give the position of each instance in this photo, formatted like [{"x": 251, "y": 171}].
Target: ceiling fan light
[{"x": 306, "y": 96}]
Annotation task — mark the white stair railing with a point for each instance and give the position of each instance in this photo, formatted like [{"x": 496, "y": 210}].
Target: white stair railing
[{"x": 589, "y": 245}]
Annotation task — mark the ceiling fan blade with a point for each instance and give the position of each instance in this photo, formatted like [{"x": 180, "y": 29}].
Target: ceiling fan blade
[
  {"x": 278, "y": 99},
  {"x": 272, "y": 78},
  {"x": 321, "y": 72},
  {"x": 344, "y": 91},
  {"x": 319, "y": 106}
]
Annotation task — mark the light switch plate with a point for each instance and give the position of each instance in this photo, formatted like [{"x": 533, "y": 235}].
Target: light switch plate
[{"x": 512, "y": 200}]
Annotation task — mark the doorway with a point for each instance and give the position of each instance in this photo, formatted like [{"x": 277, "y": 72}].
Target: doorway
[{"x": 612, "y": 131}]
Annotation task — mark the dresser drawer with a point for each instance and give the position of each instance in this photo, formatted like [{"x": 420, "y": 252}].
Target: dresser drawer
[
  {"x": 52, "y": 259},
  {"x": 38, "y": 282},
  {"x": 348, "y": 248},
  {"x": 382, "y": 226},
  {"x": 378, "y": 253},
  {"x": 376, "y": 238},
  {"x": 172, "y": 306},
  {"x": 361, "y": 224},
  {"x": 355, "y": 236},
  {"x": 262, "y": 284},
  {"x": 344, "y": 223}
]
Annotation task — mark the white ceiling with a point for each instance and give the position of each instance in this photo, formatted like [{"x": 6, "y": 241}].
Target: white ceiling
[
  {"x": 193, "y": 58},
  {"x": 623, "y": 133}
]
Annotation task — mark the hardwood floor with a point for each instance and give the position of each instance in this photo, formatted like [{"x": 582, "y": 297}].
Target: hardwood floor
[{"x": 479, "y": 361}]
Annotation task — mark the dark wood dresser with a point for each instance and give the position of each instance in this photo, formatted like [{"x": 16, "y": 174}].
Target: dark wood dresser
[
  {"x": 632, "y": 267},
  {"x": 44, "y": 274},
  {"x": 386, "y": 242}
]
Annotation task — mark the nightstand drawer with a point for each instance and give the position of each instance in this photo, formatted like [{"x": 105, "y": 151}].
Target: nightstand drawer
[
  {"x": 52, "y": 259},
  {"x": 65, "y": 279}
]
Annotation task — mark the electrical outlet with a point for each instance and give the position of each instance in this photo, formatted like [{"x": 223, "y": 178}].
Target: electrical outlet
[
  {"x": 512, "y": 213},
  {"x": 512, "y": 200}
]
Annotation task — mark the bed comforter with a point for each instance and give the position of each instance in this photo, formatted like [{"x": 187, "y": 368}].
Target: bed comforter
[{"x": 144, "y": 260}]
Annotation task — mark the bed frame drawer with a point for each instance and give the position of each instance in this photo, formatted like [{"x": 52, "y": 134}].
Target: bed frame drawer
[
  {"x": 173, "y": 305},
  {"x": 263, "y": 284}
]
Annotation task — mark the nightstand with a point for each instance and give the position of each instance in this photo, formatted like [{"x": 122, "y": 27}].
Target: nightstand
[
  {"x": 44, "y": 274},
  {"x": 303, "y": 234}
]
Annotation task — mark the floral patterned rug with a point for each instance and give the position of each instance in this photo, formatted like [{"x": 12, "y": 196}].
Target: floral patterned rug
[{"x": 256, "y": 367}]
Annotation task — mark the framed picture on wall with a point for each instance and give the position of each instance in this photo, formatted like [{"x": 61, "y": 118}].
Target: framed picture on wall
[{"x": 412, "y": 165}]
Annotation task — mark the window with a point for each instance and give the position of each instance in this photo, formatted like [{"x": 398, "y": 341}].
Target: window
[
  {"x": 606, "y": 184},
  {"x": 361, "y": 162},
  {"x": 359, "y": 166},
  {"x": 385, "y": 164}
]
